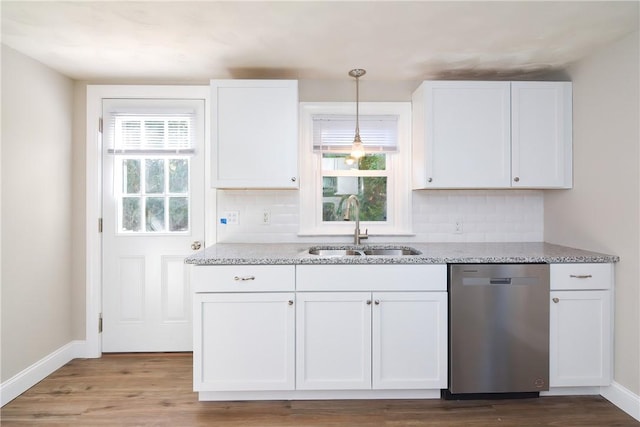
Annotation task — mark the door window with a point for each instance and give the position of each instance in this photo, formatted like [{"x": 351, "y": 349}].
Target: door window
[
  {"x": 153, "y": 194},
  {"x": 151, "y": 179}
]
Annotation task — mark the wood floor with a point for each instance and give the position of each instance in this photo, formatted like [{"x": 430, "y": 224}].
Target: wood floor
[{"x": 156, "y": 390}]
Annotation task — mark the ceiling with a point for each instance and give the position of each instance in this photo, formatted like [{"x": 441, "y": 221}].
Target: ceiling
[{"x": 183, "y": 41}]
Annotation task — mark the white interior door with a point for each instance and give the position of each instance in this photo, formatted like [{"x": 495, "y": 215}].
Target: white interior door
[{"x": 153, "y": 217}]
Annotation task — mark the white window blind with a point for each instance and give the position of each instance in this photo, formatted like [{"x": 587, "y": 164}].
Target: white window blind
[
  {"x": 152, "y": 134},
  {"x": 334, "y": 133}
]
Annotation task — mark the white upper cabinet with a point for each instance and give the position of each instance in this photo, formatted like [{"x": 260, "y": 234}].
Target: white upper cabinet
[
  {"x": 461, "y": 134},
  {"x": 474, "y": 134},
  {"x": 541, "y": 134},
  {"x": 254, "y": 133}
]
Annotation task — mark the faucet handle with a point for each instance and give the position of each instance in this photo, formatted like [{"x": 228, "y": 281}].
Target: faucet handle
[{"x": 365, "y": 235}]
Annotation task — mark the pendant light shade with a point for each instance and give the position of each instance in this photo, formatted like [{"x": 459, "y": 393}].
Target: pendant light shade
[{"x": 357, "y": 149}]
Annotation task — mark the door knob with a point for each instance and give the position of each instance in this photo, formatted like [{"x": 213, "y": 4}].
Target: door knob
[{"x": 196, "y": 245}]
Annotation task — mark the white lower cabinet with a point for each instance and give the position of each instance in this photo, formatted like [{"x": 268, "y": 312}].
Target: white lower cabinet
[
  {"x": 333, "y": 341},
  {"x": 409, "y": 340},
  {"x": 364, "y": 340},
  {"x": 244, "y": 327},
  {"x": 581, "y": 339},
  {"x": 244, "y": 341},
  {"x": 320, "y": 331}
]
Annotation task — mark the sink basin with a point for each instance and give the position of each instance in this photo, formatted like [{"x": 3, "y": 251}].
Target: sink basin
[
  {"x": 334, "y": 252},
  {"x": 387, "y": 251},
  {"x": 392, "y": 251}
]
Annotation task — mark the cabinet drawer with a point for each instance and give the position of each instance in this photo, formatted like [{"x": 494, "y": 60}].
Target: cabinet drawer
[
  {"x": 243, "y": 278},
  {"x": 401, "y": 277},
  {"x": 581, "y": 276}
]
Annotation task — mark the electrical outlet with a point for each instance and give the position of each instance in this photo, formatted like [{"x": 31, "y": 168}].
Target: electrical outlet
[
  {"x": 458, "y": 228},
  {"x": 230, "y": 218},
  {"x": 266, "y": 217}
]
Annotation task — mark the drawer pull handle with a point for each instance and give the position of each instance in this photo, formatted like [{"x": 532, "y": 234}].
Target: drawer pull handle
[
  {"x": 290, "y": 302},
  {"x": 556, "y": 300},
  {"x": 580, "y": 276},
  {"x": 244, "y": 279},
  {"x": 368, "y": 302},
  {"x": 377, "y": 302}
]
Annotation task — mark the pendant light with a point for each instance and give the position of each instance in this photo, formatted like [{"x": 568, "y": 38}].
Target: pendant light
[{"x": 357, "y": 149}]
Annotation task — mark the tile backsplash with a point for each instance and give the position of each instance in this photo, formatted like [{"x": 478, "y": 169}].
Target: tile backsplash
[{"x": 438, "y": 216}]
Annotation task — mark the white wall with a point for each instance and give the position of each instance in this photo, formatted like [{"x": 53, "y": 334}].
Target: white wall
[
  {"x": 79, "y": 213},
  {"x": 602, "y": 212},
  {"x": 37, "y": 112}
]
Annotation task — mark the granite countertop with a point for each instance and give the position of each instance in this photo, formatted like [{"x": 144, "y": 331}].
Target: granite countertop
[{"x": 431, "y": 253}]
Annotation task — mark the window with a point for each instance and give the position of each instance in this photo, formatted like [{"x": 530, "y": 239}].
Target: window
[
  {"x": 380, "y": 179},
  {"x": 151, "y": 171}
]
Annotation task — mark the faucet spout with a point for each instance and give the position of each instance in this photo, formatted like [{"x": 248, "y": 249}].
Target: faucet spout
[{"x": 353, "y": 201}]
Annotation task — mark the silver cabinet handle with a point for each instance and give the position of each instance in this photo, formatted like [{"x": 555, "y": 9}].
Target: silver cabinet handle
[
  {"x": 196, "y": 245},
  {"x": 556, "y": 300},
  {"x": 377, "y": 302},
  {"x": 290, "y": 302},
  {"x": 293, "y": 179},
  {"x": 429, "y": 179},
  {"x": 368, "y": 302},
  {"x": 516, "y": 179},
  {"x": 244, "y": 278},
  {"x": 580, "y": 276}
]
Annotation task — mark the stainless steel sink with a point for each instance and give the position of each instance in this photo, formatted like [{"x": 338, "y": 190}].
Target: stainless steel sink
[
  {"x": 334, "y": 252},
  {"x": 363, "y": 251},
  {"x": 392, "y": 251}
]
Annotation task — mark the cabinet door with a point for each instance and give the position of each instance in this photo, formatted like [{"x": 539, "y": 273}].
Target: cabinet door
[
  {"x": 333, "y": 341},
  {"x": 409, "y": 340},
  {"x": 462, "y": 134},
  {"x": 580, "y": 338},
  {"x": 254, "y": 132},
  {"x": 541, "y": 134},
  {"x": 244, "y": 342}
]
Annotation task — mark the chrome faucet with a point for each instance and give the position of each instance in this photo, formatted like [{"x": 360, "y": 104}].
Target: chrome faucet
[{"x": 353, "y": 200}]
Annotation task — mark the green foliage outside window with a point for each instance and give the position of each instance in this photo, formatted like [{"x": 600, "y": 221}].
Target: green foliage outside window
[{"x": 370, "y": 190}]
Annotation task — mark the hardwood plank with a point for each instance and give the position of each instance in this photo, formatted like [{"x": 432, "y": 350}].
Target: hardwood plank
[{"x": 156, "y": 389}]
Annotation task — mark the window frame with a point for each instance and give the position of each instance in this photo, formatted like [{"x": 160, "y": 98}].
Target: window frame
[{"x": 398, "y": 176}]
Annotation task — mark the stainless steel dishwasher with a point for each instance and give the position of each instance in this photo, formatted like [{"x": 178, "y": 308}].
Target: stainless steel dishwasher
[{"x": 498, "y": 329}]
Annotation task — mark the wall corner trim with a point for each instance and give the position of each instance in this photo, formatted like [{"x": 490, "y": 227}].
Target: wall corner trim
[
  {"x": 27, "y": 378},
  {"x": 623, "y": 398}
]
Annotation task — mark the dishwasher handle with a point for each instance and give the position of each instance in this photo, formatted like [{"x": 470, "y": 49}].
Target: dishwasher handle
[{"x": 500, "y": 280}]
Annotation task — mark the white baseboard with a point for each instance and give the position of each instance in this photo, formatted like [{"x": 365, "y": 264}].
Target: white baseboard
[
  {"x": 571, "y": 391},
  {"x": 623, "y": 398},
  {"x": 35, "y": 373}
]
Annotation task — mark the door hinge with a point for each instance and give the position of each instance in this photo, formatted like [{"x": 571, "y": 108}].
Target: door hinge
[
  {"x": 99, "y": 225},
  {"x": 100, "y": 323},
  {"x": 100, "y": 124}
]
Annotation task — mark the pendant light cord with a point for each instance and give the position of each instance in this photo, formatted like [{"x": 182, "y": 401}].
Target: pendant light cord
[
  {"x": 358, "y": 105},
  {"x": 357, "y": 149}
]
